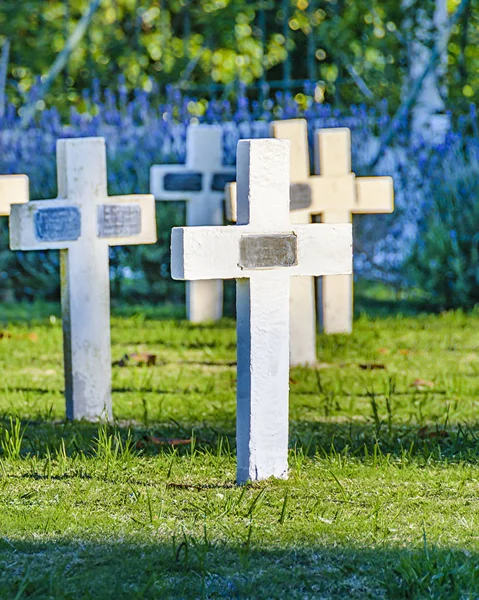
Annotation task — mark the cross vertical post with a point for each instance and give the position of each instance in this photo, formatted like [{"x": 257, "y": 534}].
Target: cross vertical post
[
  {"x": 201, "y": 183},
  {"x": 302, "y": 302},
  {"x": 341, "y": 194},
  {"x": 82, "y": 223}
]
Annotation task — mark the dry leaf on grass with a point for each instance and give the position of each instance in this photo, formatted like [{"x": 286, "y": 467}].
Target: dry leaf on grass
[
  {"x": 372, "y": 366},
  {"x": 157, "y": 441},
  {"x": 421, "y": 384},
  {"x": 137, "y": 359},
  {"x": 424, "y": 433}
]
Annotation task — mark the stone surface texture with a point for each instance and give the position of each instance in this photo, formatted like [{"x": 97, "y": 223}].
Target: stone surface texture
[
  {"x": 263, "y": 294},
  {"x": 85, "y": 278},
  {"x": 204, "y": 205}
]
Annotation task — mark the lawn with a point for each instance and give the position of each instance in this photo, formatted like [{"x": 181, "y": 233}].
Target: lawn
[{"x": 382, "y": 499}]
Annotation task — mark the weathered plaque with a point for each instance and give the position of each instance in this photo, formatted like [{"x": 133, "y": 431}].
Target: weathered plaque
[
  {"x": 119, "y": 220},
  {"x": 220, "y": 180},
  {"x": 57, "y": 224},
  {"x": 183, "y": 182},
  {"x": 301, "y": 196},
  {"x": 268, "y": 251}
]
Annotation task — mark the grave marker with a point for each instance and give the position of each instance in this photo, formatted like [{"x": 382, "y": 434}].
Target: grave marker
[
  {"x": 201, "y": 182},
  {"x": 83, "y": 222},
  {"x": 263, "y": 251},
  {"x": 336, "y": 194}
]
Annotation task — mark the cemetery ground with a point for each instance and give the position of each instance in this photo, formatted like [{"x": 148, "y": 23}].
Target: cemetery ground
[{"x": 382, "y": 499}]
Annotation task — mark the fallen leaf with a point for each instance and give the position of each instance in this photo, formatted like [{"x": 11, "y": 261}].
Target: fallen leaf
[
  {"x": 138, "y": 359},
  {"x": 383, "y": 350},
  {"x": 157, "y": 441},
  {"x": 421, "y": 384},
  {"x": 372, "y": 366},
  {"x": 144, "y": 358},
  {"x": 424, "y": 433},
  {"x": 404, "y": 351},
  {"x": 33, "y": 336}
]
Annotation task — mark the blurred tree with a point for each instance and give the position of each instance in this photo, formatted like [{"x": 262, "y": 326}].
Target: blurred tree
[{"x": 355, "y": 51}]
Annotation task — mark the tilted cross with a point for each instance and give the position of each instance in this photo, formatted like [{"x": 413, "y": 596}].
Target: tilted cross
[
  {"x": 83, "y": 222},
  {"x": 263, "y": 251},
  {"x": 335, "y": 195},
  {"x": 201, "y": 182},
  {"x": 13, "y": 190}
]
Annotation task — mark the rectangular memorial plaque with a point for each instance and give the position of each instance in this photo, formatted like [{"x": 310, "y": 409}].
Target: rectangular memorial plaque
[
  {"x": 268, "y": 251},
  {"x": 301, "y": 196},
  {"x": 57, "y": 224},
  {"x": 220, "y": 180},
  {"x": 119, "y": 220},
  {"x": 183, "y": 182}
]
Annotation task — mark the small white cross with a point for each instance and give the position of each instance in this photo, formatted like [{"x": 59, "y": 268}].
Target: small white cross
[
  {"x": 263, "y": 251},
  {"x": 82, "y": 223},
  {"x": 201, "y": 183},
  {"x": 336, "y": 194},
  {"x": 13, "y": 190}
]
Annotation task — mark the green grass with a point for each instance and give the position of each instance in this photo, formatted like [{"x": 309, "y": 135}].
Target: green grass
[{"x": 383, "y": 495}]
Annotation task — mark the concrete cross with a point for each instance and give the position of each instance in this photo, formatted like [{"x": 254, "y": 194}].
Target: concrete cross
[
  {"x": 82, "y": 223},
  {"x": 336, "y": 194},
  {"x": 201, "y": 182},
  {"x": 13, "y": 190},
  {"x": 263, "y": 251}
]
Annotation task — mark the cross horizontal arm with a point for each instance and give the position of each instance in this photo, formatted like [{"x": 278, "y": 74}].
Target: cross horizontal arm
[
  {"x": 223, "y": 252},
  {"x": 13, "y": 190},
  {"x": 132, "y": 220},
  {"x": 374, "y": 195},
  {"x": 175, "y": 182},
  {"x": 45, "y": 225}
]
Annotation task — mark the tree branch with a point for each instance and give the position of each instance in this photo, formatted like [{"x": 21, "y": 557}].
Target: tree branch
[
  {"x": 3, "y": 75},
  {"x": 411, "y": 98},
  {"x": 60, "y": 61}
]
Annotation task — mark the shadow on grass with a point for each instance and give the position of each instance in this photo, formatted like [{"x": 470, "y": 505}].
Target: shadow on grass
[
  {"x": 193, "y": 567},
  {"x": 358, "y": 440}
]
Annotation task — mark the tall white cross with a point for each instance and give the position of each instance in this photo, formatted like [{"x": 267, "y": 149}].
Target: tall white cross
[
  {"x": 263, "y": 251},
  {"x": 83, "y": 222},
  {"x": 13, "y": 190},
  {"x": 201, "y": 182},
  {"x": 336, "y": 194}
]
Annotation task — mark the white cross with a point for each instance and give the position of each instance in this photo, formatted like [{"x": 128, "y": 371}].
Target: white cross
[
  {"x": 82, "y": 223},
  {"x": 263, "y": 251},
  {"x": 13, "y": 190},
  {"x": 201, "y": 182},
  {"x": 336, "y": 194}
]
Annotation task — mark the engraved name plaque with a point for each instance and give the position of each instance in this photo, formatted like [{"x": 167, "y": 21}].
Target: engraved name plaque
[
  {"x": 220, "y": 180},
  {"x": 57, "y": 224},
  {"x": 301, "y": 196},
  {"x": 268, "y": 251},
  {"x": 119, "y": 220},
  {"x": 183, "y": 182}
]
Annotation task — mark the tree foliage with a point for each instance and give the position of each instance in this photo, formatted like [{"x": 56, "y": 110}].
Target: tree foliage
[{"x": 344, "y": 47}]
